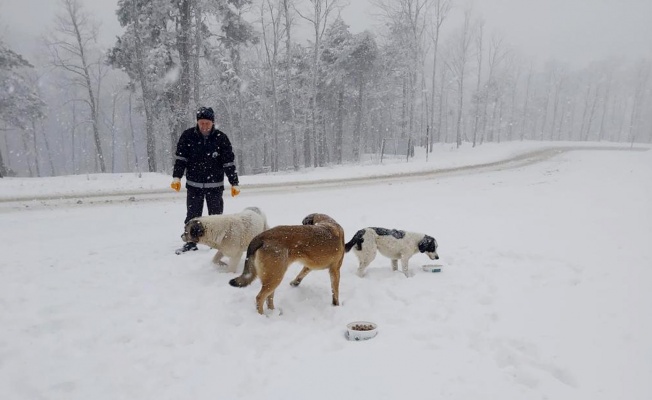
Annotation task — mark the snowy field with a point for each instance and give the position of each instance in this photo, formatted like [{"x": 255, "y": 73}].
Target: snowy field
[{"x": 545, "y": 291}]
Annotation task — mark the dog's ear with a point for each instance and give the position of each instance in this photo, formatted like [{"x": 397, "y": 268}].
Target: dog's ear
[
  {"x": 196, "y": 229},
  {"x": 309, "y": 220},
  {"x": 428, "y": 244}
]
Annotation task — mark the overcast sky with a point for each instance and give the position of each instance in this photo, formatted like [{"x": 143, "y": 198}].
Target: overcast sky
[{"x": 572, "y": 31}]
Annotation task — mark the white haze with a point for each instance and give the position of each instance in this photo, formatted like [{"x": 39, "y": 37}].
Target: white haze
[{"x": 571, "y": 31}]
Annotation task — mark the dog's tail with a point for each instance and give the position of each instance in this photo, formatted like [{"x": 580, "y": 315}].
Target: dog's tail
[
  {"x": 249, "y": 272},
  {"x": 356, "y": 241}
]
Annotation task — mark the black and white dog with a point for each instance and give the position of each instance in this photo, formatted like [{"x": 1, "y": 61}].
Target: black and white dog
[{"x": 393, "y": 244}]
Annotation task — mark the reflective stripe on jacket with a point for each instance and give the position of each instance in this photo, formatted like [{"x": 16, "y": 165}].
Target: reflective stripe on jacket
[{"x": 205, "y": 159}]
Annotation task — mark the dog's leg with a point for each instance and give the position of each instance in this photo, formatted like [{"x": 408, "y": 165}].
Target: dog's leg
[
  {"x": 270, "y": 283},
  {"x": 404, "y": 264},
  {"x": 305, "y": 271},
  {"x": 270, "y": 300},
  {"x": 362, "y": 267},
  {"x": 394, "y": 265},
  {"x": 334, "y": 271},
  {"x": 217, "y": 259},
  {"x": 233, "y": 263},
  {"x": 263, "y": 296}
]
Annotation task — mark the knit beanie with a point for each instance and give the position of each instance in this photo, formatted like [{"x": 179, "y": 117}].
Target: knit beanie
[{"x": 206, "y": 113}]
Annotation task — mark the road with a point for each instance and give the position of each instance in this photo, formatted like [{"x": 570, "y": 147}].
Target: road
[{"x": 528, "y": 158}]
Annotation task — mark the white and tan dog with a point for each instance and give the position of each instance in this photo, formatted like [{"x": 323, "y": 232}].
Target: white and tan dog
[
  {"x": 318, "y": 243},
  {"x": 230, "y": 234},
  {"x": 393, "y": 244}
]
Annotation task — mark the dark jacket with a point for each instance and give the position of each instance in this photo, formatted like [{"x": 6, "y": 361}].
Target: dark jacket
[{"x": 205, "y": 159}]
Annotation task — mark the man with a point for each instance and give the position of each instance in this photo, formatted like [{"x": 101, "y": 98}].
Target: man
[{"x": 205, "y": 154}]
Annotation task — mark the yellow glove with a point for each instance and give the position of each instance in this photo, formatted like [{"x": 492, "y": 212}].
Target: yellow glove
[
  {"x": 234, "y": 191},
  {"x": 176, "y": 184}
]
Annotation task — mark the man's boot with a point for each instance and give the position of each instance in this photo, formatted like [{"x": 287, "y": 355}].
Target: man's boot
[{"x": 189, "y": 246}]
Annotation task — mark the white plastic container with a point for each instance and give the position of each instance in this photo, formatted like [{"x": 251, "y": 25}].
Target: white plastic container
[
  {"x": 361, "y": 330},
  {"x": 432, "y": 267}
]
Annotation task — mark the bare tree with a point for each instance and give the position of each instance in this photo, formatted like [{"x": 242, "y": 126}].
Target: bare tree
[
  {"x": 558, "y": 76},
  {"x": 196, "y": 51},
  {"x": 592, "y": 112},
  {"x": 131, "y": 88},
  {"x": 34, "y": 79},
  {"x": 515, "y": 63},
  {"x": 318, "y": 18},
  {"x": 546, "y": 105},
  {"x": 441, "y": 8},
  {"x": 497, "y": 54},
  {"x": 409, "y": 20},
  {"x": 605, "y": 101},
  {"x": 524, "y": 118},
  {"x": 457, "y": 65},
  {"x": 479, "y": 93},
  {"x": 180, "y": 98},
  {"x": 147, "y": 92},
  {"x": 271, "y": 33},
  {"x": 587, "y": 97},
  {"x": 643, "y": 70},
  {"x": 288, "y": 81},
  {"x": 71, "y": 49}
]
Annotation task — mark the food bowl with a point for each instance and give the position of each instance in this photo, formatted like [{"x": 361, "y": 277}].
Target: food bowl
[
  {"x": 361, "y": 330},
  {"x": 432, "y": 267}
]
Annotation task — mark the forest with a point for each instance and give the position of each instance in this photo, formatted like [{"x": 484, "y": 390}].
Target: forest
[{"x": 293, "y": 87}]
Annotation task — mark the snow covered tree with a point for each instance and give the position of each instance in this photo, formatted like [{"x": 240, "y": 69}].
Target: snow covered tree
[
  {"x": 288, "y": 17},
  {"x": 271, "y": 24},
  {"x": 20, "y": 103},
  {"x": 318, "y": 18},
  {"x": 335, "y": 65},
  {"x": 362, "y": 59},
  {"x": 408, "y": 20}
]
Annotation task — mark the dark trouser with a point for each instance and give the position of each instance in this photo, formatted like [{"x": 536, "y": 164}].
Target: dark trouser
[{"x": 195, "y": 201}]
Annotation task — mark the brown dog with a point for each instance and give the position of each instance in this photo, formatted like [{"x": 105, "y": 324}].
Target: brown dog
[{"x": 317, "y": 244}]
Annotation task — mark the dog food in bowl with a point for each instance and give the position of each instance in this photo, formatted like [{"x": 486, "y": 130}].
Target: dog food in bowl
[{"x": 361, "y": 330}]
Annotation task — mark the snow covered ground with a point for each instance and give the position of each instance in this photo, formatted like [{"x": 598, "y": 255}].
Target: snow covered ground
[{"x": 544, "y": 294}]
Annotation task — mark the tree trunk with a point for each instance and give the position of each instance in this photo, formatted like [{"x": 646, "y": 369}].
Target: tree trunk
[
  {"x": 94, "y": 105},
  {"x": 525, "y": 105},
  {"x": 196, "y": 77},
  {"x": 133, "y": 134},
  {"x": 442, "y": 115},
  {"x": 181, "y": 93},
  {"x": 545, "y": 114},
  {"x": 595, "y": 101},
  {"x": 148, "y": 99},
  {"x": 512, "y": 111},
  {"x": 554, "y": 112},
  {"x": 478, "y": 94},
  {"x": 458, "y": 134},
  {"x": 357, "y": 135},
  {"x": 339, "y": 132},
  {"x": 3, "y": 168},
  {"x": 404, "y": 107},
  {"x": 586, "y": 110},
  {"x": 288, "y": 79},
  {"x": 26, "y": 152},
  {"x": 307, "y": 142},
  {"x": 604, "y": 110},
  {"x": 35, "y": 148},
  {"x": 434, "y": 82}
]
